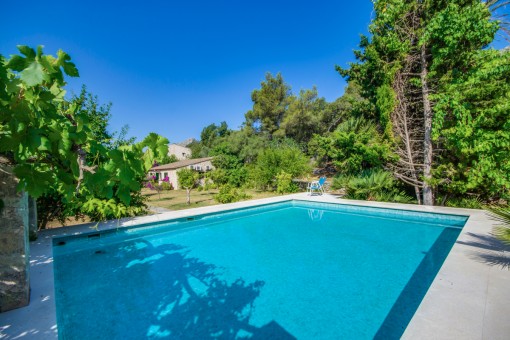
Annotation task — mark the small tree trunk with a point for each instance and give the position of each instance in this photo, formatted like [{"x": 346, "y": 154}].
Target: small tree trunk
[
  {"x": 188, "y": 198},
  {"x": 428, "y": 198}
]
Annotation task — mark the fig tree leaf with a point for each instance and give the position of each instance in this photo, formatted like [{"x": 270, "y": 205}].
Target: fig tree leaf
[
  {"x": 26, "y": 51},
  {"x": 33, "y": 75},
  {"x": 17, "y": 63}
]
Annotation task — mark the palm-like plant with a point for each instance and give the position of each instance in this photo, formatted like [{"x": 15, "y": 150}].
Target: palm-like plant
[
  {"x": 501, "y": 214},
  {"x": 375, "y": 185}
]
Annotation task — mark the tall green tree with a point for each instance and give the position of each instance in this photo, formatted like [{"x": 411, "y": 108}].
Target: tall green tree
[
  {"x": 98, "y": 115},
  {"x": 303, "y": 116},
  {"x": 270, "y": 103},
  {"x": 472, "y": 120},
  {"x": 350, "y": 104},
  {"x": 212, "y": 132},
  {"x": 415, "y": 50},
  {"x": 244, "y": 144},
  {"x": 230, "y": 167}
]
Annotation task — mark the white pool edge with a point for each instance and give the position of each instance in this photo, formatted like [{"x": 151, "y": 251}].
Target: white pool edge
[{"x": 468, "y": 299}]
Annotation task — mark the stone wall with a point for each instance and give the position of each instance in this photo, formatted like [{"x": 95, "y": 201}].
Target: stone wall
[{"x": 14, "y": 248}]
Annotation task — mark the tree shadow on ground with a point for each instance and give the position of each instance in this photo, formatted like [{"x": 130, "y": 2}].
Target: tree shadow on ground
[
  {"x": 489, "y": 250},
  {"x": 163, "y": 199},
  {"x": 177, "y": 296},
  {"x": 207, "y": 193},
  {"x": 202, "y": 200}
]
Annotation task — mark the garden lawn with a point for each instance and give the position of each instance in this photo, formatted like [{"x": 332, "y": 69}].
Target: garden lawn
[{"x": 176, "y": 199}]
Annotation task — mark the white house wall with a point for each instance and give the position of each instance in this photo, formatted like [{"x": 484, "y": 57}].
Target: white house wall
[
  {"x": 180, "y": 152},
  {"x": 172, "y": 174}
]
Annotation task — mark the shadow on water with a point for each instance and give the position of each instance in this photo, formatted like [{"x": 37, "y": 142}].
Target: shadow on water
[
  {"x": 411, "y": 296},
  {"x": 176, "y": 297},
  {"x": 488, "y": 249}
]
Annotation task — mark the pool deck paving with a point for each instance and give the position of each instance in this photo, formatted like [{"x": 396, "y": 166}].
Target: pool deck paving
[{"x": 468, "y": 299}]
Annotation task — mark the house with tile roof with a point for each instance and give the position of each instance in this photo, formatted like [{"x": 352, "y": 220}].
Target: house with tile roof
[{"x": 170, "y": 170}]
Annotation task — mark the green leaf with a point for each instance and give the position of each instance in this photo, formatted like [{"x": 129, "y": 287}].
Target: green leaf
[
  {"x": 63, "y": 59},
  {"x": 124, "y": 194},
  {"x": 36, "y": 141},
  {"x": 13, "y": 86},
  {"x": 26, "y": 51},
  {"x": 70, "y": 69},
  {"x": 33, "y": 75},
  {"x": 116, "y": 155},
  {"x": 17, "y": 63},
  {"x": 39, "y": 51},
  {"x": 56, "y": 90},
  {"x": 33, "y": 180},
  {"x": 64, "y": 144},
  {"x": 45, "y": 144},
  {"x": 45, "y": 62},
  {"x": 126, "y": 174}
]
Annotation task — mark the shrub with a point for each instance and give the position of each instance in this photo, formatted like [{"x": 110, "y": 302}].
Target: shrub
[
  {"x": 354, "y": 145},
  {"x": 166, "y": 185},
  {"x": 284, "y": 183},
  {"x": 210, "y": 185},
  {"x": 272, "y": 161},
  {"x": 340, "y": 181},
  {"x": 229, "y": 194}
]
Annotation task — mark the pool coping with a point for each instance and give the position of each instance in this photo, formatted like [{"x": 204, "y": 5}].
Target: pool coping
[{"x": 468, "y": 298}]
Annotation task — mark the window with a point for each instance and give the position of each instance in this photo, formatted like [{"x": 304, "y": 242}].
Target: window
[
  {"x": 207, "y": 167},
  {"x": 198, "y": 167},
  {"x": 191, "y": 167}
]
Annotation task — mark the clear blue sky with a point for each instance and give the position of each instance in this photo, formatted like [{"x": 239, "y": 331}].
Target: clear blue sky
[{"x": 173, "y": 67}]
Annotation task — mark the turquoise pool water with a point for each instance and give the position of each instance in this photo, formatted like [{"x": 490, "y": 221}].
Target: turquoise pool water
[{"x": 283, "y": 271}]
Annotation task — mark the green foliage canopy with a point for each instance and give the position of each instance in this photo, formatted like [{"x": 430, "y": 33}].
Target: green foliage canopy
[
  {"x": 49, "y": 139},
  {"x": 212, "y": 132},
  {"x": 473, "y": 121},
  {"x": 279, "y": 157},
  {"x": 269, "y": 105},
  {"x": 412, "y": 70},
  {"x": 354, "y": 146},
  {"x": 303, "y": 117}
]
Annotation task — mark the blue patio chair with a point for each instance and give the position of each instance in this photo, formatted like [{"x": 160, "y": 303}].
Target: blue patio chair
[{"x": 316, "y": 186}]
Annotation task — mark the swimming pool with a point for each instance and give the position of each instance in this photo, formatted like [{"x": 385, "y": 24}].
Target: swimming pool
[{"x": 286, "y": 270}]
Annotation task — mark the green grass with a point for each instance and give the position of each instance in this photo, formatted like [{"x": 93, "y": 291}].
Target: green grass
[{"x": 176, "y": 199}]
